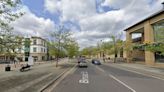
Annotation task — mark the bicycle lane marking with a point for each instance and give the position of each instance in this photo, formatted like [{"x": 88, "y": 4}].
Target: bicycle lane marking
[{"x": 85, "y": 78}]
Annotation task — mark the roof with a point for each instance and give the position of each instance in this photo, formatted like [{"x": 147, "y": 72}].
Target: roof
[
  {"x": 153, "y": 15},
  {"x": 38, "y": 38}
]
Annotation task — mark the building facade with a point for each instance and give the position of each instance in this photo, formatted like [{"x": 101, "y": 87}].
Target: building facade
[
  {"x": 37, "y": 48},
  {"x": 149, "y": 30}
]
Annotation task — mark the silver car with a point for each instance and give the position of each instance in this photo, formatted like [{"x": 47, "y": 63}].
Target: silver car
[{"x": 83, "y": 64}]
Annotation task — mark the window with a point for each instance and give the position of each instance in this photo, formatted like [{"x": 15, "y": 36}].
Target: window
[
  {"x": 35, "y": 58},
  {"x": 159, "y": 31},
  {"x": 34, "y": 42},
  {"x": 34, "y": 49},
  {"x": 41, "y": 49},
  {"x": 42, "y": 42},
  {"x": 43, "y": 57},
  {"x": 19, "y": 49}
]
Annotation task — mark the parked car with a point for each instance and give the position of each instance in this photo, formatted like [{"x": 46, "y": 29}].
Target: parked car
[
  {"x": 83, "y": 64},
  {"x": 96, "y": 62}
]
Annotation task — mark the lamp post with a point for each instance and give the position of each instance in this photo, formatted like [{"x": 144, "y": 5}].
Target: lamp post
[
  {"x": 115, "y": 48},
  {"x": 101, "y": 52},
  {"x": 99, "y": 47},
  {"x": 163, "y": 5}
]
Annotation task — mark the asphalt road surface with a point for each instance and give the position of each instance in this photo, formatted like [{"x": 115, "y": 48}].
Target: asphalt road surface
[{"x": 106, "y": 78}]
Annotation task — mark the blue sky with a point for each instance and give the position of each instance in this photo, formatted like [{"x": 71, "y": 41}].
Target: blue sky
[
  {"x": 37, "y": 7},
  {"x": 89, "y": 20}
]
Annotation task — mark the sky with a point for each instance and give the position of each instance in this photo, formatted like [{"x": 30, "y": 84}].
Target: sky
[{"x": 90, "y": 21}]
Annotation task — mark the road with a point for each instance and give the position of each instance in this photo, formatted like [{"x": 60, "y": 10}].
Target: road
[{"x": 107, "y": 78}]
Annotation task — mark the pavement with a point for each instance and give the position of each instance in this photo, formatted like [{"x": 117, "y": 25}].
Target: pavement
[
  {"x": 108, "y": 78},
  {"x": 140, "y": 68},
  {"x": 34, "y": 79},
  {"x": 144, "y": 67},
  {"x": 17, "y": 66}
]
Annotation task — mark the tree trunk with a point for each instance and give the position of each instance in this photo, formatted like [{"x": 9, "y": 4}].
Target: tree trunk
[{"x": 57, "y": 61}]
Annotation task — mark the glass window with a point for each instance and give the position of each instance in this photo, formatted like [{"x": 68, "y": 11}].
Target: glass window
[
  {"x": 34, "y": 42},
  {"x": 34, "y": 49},
  {"x": 159, "y": 31},
  {"x": 42, "y": 42},
  {"x": 159, "y": 37},
  {"x": 19, "y": 49},
  {"x": 41, "y": 49}
]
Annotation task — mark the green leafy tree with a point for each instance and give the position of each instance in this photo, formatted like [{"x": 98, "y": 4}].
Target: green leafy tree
[
  {"x": 61, "y": 39},
  {"x": 72, "y": 49},
  {"x": 117, "y": 44},
  {"x": 9, "y": 12}
]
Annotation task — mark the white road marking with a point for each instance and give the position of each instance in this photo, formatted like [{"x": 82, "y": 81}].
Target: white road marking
[
  {"x": 145, "y": 74},
  {"x": 110, "y": 75},
  {"x": 100, "y": 69},
  {"x": 133, "y": 71},
  {"x": 60, "y": 79},
  {"x": 84, "y": 78}
]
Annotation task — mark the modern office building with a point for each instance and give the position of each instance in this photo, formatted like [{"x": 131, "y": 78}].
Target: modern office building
[{"x": 149, "y": 30}]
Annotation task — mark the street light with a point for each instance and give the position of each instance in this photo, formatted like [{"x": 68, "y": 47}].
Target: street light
[
  {"x": 99, "y": 47},
  {"x": 100, "y": 50}
]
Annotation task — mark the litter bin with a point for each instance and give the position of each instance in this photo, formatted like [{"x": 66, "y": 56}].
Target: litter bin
[{"x": 7, "y": 68}]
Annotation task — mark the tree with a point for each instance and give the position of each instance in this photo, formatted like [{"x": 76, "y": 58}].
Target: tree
[
  {"x": 117, "y": 44},
  {"x": 72, "y": 49},
  {"x": 90, "y": 51},
  {"x": 61, "y": 38},
  {"x": 10, "y": 44},
  {"x": 9, "y": 13},
  {"x": 85, "y": 51},
  {"x": 108, "y": 47}
]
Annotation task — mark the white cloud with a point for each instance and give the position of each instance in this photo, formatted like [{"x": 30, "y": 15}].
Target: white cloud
[
  {"x": 32, "y": 25},
  {"x": 97, "y": 26},
  {"x": 71, "y": 9},
  {"x": 76, "y": 9},
  {"x": 118, "y": 3},
  {"x": 52, "y": 6}
]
